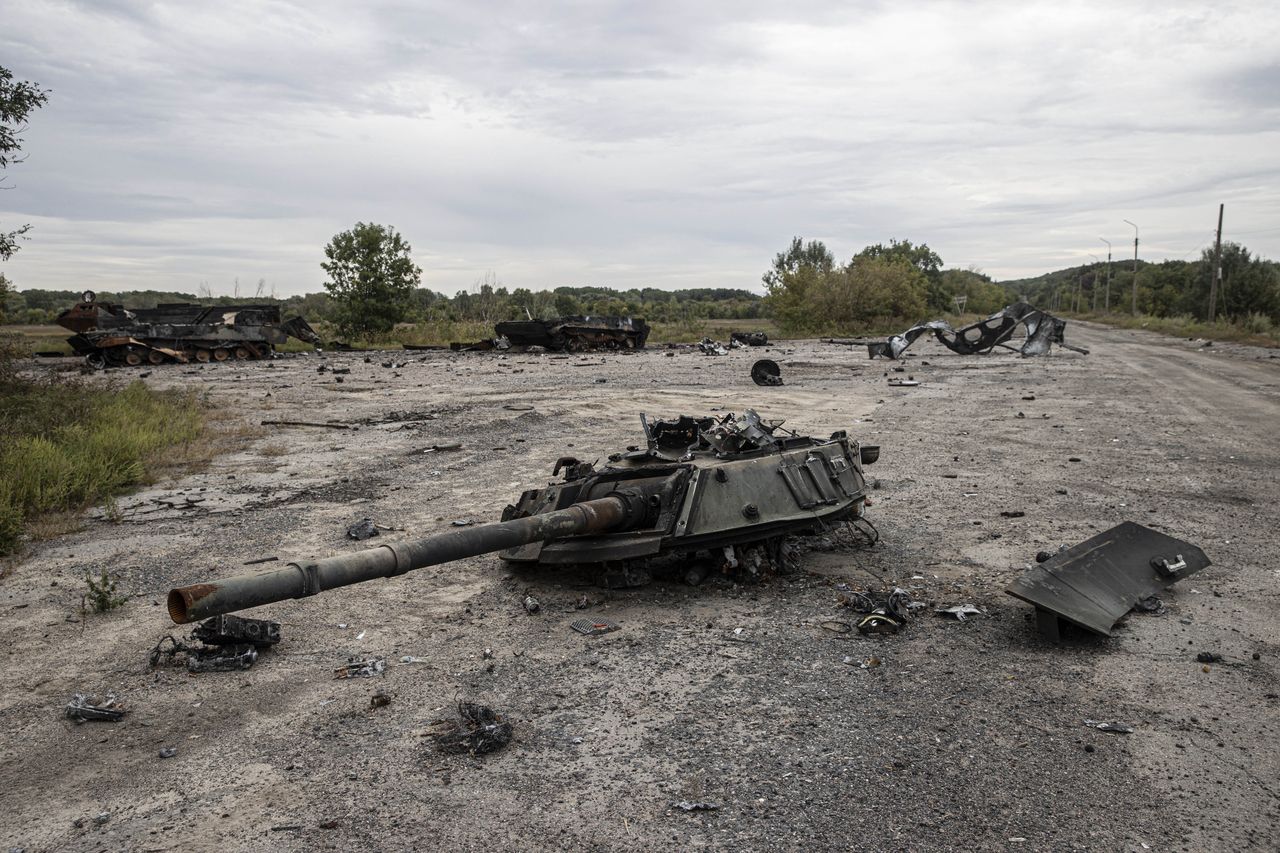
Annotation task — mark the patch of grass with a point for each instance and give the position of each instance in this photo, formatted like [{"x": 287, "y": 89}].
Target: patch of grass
[
  {"x": 66, "y": 445},
  {"x": 1255, "y": 329}
]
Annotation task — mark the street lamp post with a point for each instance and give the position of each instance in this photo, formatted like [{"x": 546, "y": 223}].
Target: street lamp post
[
  {"x": 1093, "y": 287},
  {"x": 1106, "y": 305},
  {"x": 1135, "y": 268}
]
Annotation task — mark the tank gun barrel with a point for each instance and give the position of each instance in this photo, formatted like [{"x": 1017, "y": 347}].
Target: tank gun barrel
[{"x": 616, "y": 511}]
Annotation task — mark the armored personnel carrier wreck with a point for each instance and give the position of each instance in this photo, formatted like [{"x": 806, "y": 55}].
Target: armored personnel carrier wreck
[
  {"x": 702, "y": 495},
  {"x": 576, "y": 333},
  {"x": 110, "y": 335}
]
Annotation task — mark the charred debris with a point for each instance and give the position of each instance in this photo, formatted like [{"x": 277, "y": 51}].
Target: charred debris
[{"x": 1041, "y": 329}]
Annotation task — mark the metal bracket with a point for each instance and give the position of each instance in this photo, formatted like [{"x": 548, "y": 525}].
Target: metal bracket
[
  {"x": 401, "y": 556},
  {"x": 310, "y": 578},
  {"x": 1168, "y": 569}
]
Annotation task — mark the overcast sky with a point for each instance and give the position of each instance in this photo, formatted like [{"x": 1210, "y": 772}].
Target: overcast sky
[{"x": 632, "y": 144}]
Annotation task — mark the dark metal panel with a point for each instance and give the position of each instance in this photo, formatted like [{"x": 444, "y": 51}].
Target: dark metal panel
[{"x": 1096, "y": 582}]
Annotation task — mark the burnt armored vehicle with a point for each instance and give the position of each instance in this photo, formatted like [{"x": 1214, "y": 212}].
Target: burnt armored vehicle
[
  {"x": 110, "y": 335},
  {"x": 576, "y": 333},
  {"x": 703, "y": 494}
]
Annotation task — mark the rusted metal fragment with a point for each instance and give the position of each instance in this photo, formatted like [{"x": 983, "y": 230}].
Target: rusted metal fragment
[
  {"x": 576, "y": 333},
  {"x": 1096, "y": 582}
]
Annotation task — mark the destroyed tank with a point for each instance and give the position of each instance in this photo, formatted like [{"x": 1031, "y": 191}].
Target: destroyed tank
[
  {"x": 703, "y": 495},
  {"x": 110, "y": 335},
  {"x": 576, "y": 333}
]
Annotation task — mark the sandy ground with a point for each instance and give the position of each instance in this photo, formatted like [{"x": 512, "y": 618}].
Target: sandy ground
[{"x": 966, "y": 736}]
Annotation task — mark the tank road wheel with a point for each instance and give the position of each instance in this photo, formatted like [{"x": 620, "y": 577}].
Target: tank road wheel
[
  {"x": 133, "y": 359},
  {"x": 220, "y": 354},
  {"x": 202, "y": 355},
  {"x": 155, "y": 357},
  {"x": 96, "y": 360},
  {"x": 242, "y": 353}
]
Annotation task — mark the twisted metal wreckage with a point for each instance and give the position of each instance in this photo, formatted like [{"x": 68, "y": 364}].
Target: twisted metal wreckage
[{"x": 1043, "y": 330}]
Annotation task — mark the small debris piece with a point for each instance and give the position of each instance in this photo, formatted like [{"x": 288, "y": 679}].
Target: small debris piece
[
  {"x": 168, "y": 752},
  {"x": 515, "y": 407},
  {"x": 1118, "y": 728},
  {"x": 463, "y": 522},
  {"x": 307, "y": 424},
  {"x": 531, "y": 604},
  {"x": 362, "y": 529},
  {"x": 441, "y": 448},
  {"x": 686, "y": 806},
  {"x": 961, "y": 612},
  {"x": 1149, "y": 604},
  {"x": 83, "y": 708},
  {"x": 594, "y": 627},
  {"x": 481, "y": 731},
  {"x": 230, "y": 630},
  {"x": 1014, "y": 513},
  {"x": 903, "y": 383},
  {"x": 260, "y": 560},
  {"x": 766, "y": 372},
  {"x": 221, "y": 658},
  {"x": 380, "y": 699},
  {"x": 1208, "y": 657},
  {"x": 361, "y": 668},
  {"x": 582, "y": 603},
  {"x": 836, "y": 626}
]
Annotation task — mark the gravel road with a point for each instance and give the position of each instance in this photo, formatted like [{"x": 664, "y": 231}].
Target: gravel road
[{"x": 946, "y": 736}]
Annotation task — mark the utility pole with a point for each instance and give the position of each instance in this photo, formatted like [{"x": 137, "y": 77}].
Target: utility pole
[
  {"x": 1135, "y": 268},
  {"x": 1106, "y": 305},
  {"x": 1216, "y": 283}
]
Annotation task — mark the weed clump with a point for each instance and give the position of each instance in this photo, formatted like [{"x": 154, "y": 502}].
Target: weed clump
[{"x": 104, "y": 593}]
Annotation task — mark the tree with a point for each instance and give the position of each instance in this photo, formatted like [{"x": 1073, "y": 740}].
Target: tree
[
  {"x": 17, "y": 100},
  {"x": 813, "y": 255},
  {"x": 371, "y": 277},
  {"x": 922, "y": 258}
]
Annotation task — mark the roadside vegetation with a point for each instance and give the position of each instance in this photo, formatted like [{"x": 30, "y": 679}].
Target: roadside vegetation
[
  {"x": 66, "y": 445},
  {"x": 1255, "y": 329}
]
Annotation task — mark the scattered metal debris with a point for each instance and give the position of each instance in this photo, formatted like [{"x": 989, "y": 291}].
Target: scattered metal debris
[
  {"x": 479, "y": 731},
  {"x": 1096, "y": 582},
  {"x": 354, "y": 668},
  {"x": 766, "y": 372},
  {"x": 1208, "y": 657},
  {"x": 687, "y": 806},
  {"x": 1118, "y": 728},
  {"x": 228, "y": 643},
  {"x": 960, "y": 612},
  {"x": 1149, "y": 604},
  {"x": 380, "y": 699},
  {"x": 884, "y": 615},
  {"x": 362, "y": 529},
  {"x": 751, "y": 339},
  {"x": 903, "y": 383},
  {"x": 221, "y": 658},
  {"x": 710, "y": 347},
  {"x": 82, "y": 708},
  {"x": 168, "y": 752},
  {"x": 1042, "y": 330},
  {"x": 594, "y": 627},
  {"x": 229, "y": 630},
  {"x": 261, "y": 560},
  {"x": 531, "y": 604}
]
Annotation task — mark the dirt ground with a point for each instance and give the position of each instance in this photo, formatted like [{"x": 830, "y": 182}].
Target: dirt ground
[{"x": 965, "y": 736}]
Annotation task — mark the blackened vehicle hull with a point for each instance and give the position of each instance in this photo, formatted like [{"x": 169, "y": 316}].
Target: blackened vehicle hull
[
  {"x": 576, "y": 333},
  {"x": 112, "y": 335}
]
